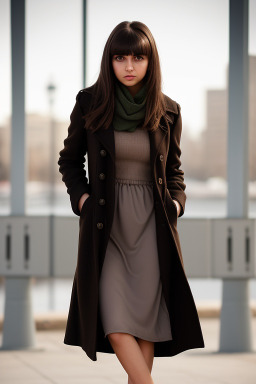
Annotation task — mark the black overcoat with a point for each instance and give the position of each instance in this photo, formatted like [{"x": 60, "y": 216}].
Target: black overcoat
[{"x": 84, "y": 327}]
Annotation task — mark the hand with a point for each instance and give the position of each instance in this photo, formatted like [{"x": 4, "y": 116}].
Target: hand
[
  {"x": 177, "y": 206},
  {"x": 82, "y": 200}
]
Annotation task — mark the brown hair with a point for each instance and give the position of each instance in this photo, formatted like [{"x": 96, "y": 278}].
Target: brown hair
[{"x": 127, "y": 38}]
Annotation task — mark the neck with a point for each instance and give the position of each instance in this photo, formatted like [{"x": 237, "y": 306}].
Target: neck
[{"x": 134, "y": 89}]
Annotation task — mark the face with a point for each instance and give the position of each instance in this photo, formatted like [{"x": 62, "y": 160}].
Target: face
[{"x": 130, "y": 70}]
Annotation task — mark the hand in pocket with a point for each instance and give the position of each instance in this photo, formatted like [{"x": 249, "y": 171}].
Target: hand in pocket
[{"x": 82, "y": 200}]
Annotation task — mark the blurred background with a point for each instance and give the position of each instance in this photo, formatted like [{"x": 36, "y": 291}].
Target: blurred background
[{"x": 192, "y": 40}]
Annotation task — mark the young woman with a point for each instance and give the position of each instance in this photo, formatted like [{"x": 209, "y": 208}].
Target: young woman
[{"x": 130, "y": 293}]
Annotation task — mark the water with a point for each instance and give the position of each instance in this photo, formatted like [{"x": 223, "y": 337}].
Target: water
[
  {"x": 202, "y": 201},
  {"x": 54, "y": 294}
]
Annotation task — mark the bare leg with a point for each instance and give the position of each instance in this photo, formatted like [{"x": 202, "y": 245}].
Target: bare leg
[
  {"x": 147, "y": 349},
  {"x": 130, "y": 356}
]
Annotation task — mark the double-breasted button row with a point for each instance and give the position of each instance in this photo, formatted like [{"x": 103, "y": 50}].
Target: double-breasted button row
[
  {"x": 102, "y": 176},
  {"x": 160, "y": 180},
  {"x": 103, "y": 153}
]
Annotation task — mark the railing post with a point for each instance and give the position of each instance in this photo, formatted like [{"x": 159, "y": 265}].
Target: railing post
[
  {"x": 235, "y": 327},
  {"x": 18, "y": 327}
]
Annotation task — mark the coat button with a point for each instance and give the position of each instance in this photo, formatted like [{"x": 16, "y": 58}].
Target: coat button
[
  {"x": 161, "y": 157},
  {"x": 160, "y": 180},
  {"x": 102, "y": 176},
  {"x": 99, "y": 225},
  {"x": 103, "y": 152},
  {"x": 101, "y": 201}
]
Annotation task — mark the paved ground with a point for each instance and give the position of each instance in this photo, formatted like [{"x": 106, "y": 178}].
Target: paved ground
[{"x": 57, "y": 363}]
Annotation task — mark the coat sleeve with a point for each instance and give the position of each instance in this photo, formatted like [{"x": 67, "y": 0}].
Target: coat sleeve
[
  {"x": 174, "y": 174},
  {"x": 72, "y": 158}
]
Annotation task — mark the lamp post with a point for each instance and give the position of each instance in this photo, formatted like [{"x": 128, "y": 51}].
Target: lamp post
[{"x": 51, "y": 88}]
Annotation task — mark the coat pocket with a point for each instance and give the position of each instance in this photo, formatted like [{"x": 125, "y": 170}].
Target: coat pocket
[
  {"x": 171, "y": 207},
  {"x": 83, "y": 210}
]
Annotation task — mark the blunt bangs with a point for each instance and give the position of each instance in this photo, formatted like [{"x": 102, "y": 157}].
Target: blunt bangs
[
  {"x": 127, "y": 38},
  {"x": 130, "y": 42}
]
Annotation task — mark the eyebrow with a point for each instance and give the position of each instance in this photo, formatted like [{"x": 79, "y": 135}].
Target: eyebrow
[{"x": 138, "y": 54}]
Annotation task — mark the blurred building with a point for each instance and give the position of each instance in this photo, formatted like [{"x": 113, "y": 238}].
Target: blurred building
[
  {"x": 203, "y": 157},
  {"x": 38, "y": 140},
  {"x": 214, "y": 138},
  {"x": 207, "y": 156},
  {"x": 192, "y": 156}
]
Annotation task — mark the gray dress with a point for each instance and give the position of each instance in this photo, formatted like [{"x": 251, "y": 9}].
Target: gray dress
[{"x": 130, "y": 295}]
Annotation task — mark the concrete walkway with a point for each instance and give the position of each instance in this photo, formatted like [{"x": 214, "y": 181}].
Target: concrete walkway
[{"x": 57, "y": 363}]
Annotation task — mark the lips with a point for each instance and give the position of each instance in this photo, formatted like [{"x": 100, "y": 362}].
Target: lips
[{"x": 129, "y": 77}]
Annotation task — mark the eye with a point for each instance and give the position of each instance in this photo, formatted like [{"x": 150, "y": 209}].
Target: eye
[
  {"x": 138, "y": 58},
  {"x": 118, "y": 58}
]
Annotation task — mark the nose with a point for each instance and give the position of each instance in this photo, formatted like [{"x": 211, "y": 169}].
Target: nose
[{"x": 129, "y": 65}]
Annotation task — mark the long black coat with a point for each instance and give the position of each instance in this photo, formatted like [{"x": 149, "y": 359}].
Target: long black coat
[{"x": 84, "y": 327}]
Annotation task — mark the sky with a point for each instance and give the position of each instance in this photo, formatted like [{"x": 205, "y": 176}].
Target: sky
[{"x": 191, "y": 37}]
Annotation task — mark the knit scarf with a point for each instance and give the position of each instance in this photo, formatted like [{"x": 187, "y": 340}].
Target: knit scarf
[{"x": 129, "y": 110}]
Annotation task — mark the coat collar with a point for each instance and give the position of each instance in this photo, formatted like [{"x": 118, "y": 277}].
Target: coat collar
[{"x": 171, "y": 105}]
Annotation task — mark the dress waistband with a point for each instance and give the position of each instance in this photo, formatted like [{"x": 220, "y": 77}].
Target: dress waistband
[{"x": 132, "y": 181}]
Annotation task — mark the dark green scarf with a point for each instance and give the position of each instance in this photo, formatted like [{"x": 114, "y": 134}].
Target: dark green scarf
[{"x": 129, "y": 110}]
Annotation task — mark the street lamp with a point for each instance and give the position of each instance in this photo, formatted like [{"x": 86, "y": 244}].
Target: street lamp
[{"x": 51, "y": 88}]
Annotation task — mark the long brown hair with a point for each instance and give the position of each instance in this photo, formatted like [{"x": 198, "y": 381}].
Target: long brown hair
[{"x": 127, "y": 38}]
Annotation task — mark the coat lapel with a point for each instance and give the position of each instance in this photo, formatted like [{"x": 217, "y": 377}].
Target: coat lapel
[{"x": 107, "y": 139}]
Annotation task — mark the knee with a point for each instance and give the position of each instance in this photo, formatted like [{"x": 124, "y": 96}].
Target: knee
[{"x": 116, "y": 337}]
